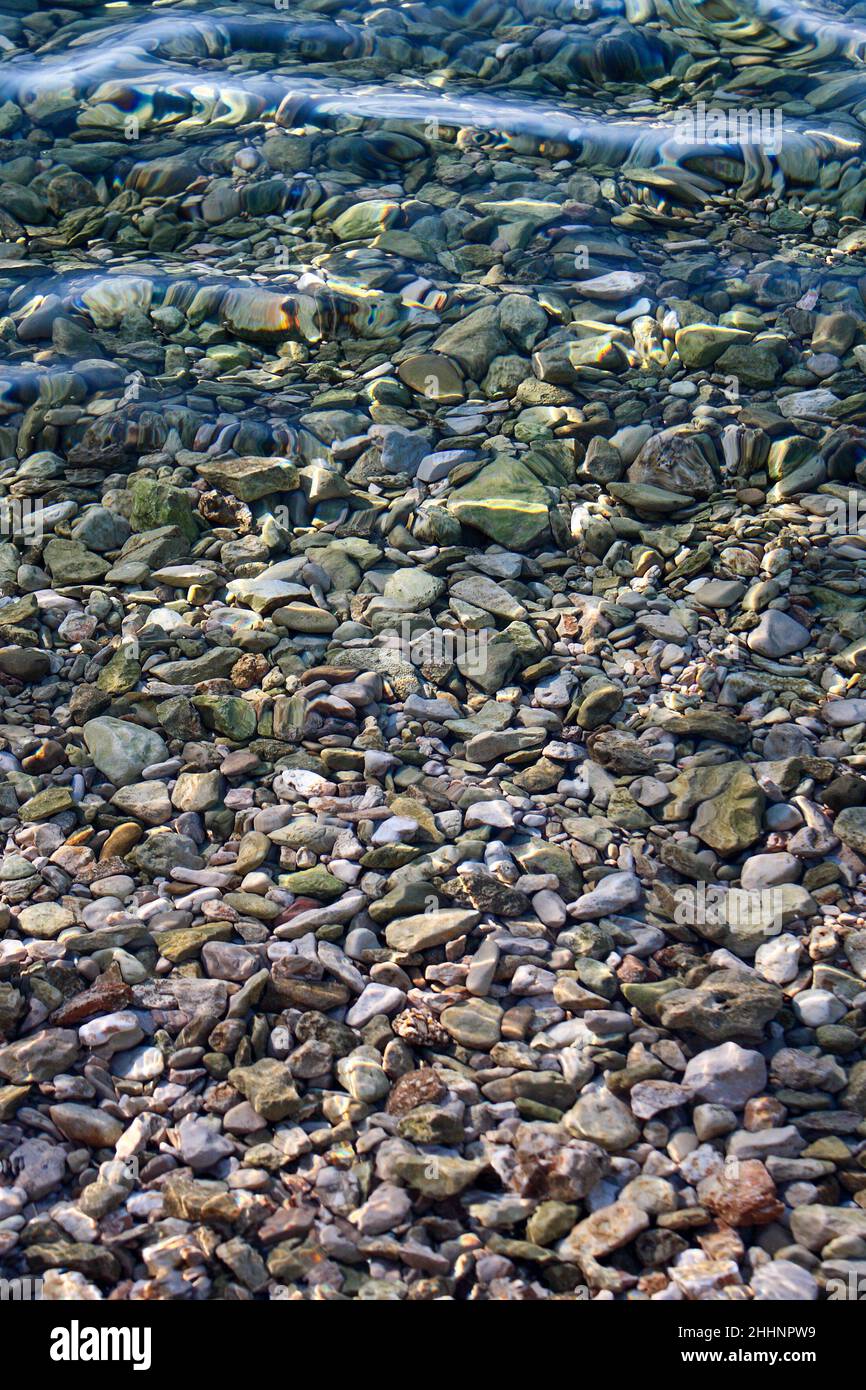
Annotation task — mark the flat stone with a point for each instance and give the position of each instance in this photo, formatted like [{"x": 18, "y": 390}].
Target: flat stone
[
  {"x": 269, "y": 1087},
  {"x": 412, "y": 934},
  {"x": 727, "y": 1075},
  {"x": 121, "y": 750},
  {"x": 777, "y": 634},
  {"x": 250, "y": 478},
  {"x": 604, "y": 1231},
  {"x": 39, "y": 1056}
]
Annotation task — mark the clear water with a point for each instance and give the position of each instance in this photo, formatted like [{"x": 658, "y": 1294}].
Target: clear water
[{"x": 200, "y": 149}]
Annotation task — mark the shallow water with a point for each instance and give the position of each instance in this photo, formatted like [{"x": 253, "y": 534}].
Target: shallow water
[{"x": 184, "y": 142}]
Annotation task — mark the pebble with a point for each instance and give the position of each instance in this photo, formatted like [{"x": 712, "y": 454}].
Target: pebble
[{"x": 727, "y": 1075}]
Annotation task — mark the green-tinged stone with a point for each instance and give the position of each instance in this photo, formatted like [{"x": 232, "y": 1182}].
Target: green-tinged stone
[
  {"x": 300, "y": 993},
  {"x": 624, "y": 811},
  {"x": 362, "y": 1075},
  {"x": 184, "y": 943},
  {"x": 46, "y": 804},
  {"x": 603, "y": 1119},
  {"x": 269, "y": 1087},
  {"x": 729, "y": 805},
  {"x": 69, "y": 562},
  {"x": 850, "y": 826},
  {"x": 253, "y": 850},
  {"x": 20, "y": 610},
  {"x": 504, "y": 501},
  {"x": 93, "y": 1261},
  {"x": 39, "y": 1056},
  {"x": 476, "y": 1024},
  {"x": 108, "y": 939},
  {"x": 540, "y": 857},
  {"x": 213, "y": 665},
  {"x": 313, "y": 883},
  {"x": 646, "y": 499},
  {"x": 547, "y": 1088},
  {"x": 490, "y": 665},
  {"x": 751, "y": 364},
  {"x": 413, "y": 809},
  {"x": 44, "y": 920},
  {"x": 253, "y": 905},
  {"x": 365, "y": 219},
  {"x": 428, "y": 1124},
  {"x": 411, "y": 934},
  {"x": 436, "y": 1175},
  {"x": 647, "y": 999},
  {"x": 550, "y": 1221},
  {"x": 305, "y": 617},
  {"x": 11, "y": 1097},
  {"x": 163, "y": 851},
  {"x": 702, "y": 344},
  {"x": 599, "y": 706},
  {"x": 413, "y": 589},
  {"x": 514, "y": 1249},
  {"x": 121, "y": 748},
  {"x": 120, "y": 674},
  {"x": 156, "y": 504},
  {"x": 728, "y": 1007},
  {"x": 390, "y": 856},
  {"x": 228, "y": 715}
]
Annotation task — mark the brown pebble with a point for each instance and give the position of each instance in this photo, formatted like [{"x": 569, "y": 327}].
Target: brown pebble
[
  {"x": 121, "y": 840},
  {"x": 421, "y": 1087}
]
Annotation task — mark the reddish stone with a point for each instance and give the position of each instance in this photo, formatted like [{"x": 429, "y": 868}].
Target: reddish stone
[
  {"x": 652, "y": 1283},
  {"x": 105, "y": 996},
  {"x": 631, "y": 971},
  {"x": 249, "y": 670},
  {"x": 236, "y": 764},
  {"x": 743, "y": 1194},
  {"x": 220, "y": 510},
  {"x": 286, "y": 1223},
  {"x": 298, "y": 906},
  {"x": 46, "y": 758},
  {"x": 764, "y": 1112},
  {"x": 421, "y": 1087}
]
